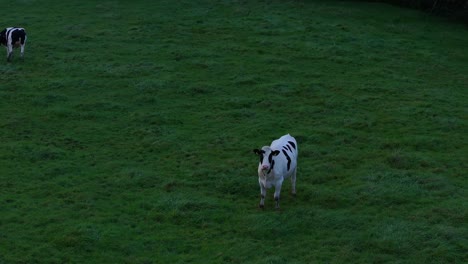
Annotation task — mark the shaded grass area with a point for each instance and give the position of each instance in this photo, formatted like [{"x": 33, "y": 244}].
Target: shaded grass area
[{"x": 128, "y": 139}]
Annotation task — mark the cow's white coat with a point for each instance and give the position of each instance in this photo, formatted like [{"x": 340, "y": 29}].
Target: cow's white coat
[{"x": 277, "y": 162}]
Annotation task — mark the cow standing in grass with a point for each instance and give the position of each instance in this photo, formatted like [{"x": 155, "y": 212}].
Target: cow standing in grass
[
  {"x": 277, "y": 162},
  {"x": 13, "y": 37}
]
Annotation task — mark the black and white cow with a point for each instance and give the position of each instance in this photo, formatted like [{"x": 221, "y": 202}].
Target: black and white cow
[
  {"x": 13, "y": 37},
  {"x": 277, "y": 162}
]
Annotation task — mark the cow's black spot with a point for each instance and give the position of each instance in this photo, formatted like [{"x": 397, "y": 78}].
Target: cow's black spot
[
  {"x": 271, "y": 167},
  {"x": 259, "y": 153},
  {"x": 292, "y": 144},
  {"x": 288, "y": 158},
  {"x": 270, "y": 158}
]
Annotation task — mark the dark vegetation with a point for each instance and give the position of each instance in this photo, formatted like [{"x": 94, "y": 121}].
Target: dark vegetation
[
  {"x": 126, "y": 135},
  {"x": 454, "y": 9}
]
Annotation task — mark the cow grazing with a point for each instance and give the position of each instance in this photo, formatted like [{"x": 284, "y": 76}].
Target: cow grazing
[
  {"x": 277, "y": 162},
  {"x": 13, "y": 37}
]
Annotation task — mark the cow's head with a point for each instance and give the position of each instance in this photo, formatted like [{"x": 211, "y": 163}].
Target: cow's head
[{"x": 266, "y": 155}]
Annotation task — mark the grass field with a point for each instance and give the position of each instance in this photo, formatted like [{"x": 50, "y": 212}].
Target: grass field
[{"x": 126, "y": 135}]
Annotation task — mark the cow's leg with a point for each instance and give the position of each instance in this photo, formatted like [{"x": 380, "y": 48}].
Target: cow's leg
[
  {"x": 262, "y": 194},
  {"x": 293, "y": 182},
  {"x": 9, "y": 52},
  {"x": 277, "y": 193},
  {"x": 22, "y": 46},
  {"x": 22, "y": 51}
]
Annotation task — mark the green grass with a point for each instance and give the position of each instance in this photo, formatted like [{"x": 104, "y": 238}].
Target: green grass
[{"x": 126, "y": 135}]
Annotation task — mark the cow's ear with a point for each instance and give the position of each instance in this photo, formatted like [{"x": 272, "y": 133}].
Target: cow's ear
[
  {"x": 276, "y": 152},
  {"x": 256, "y": 151}
]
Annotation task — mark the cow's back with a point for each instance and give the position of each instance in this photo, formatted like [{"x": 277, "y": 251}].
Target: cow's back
[
  {"x": 286, "y": 161},
  {"x": 284, "y": 141},
  {"x": 17, "y": 35}
]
